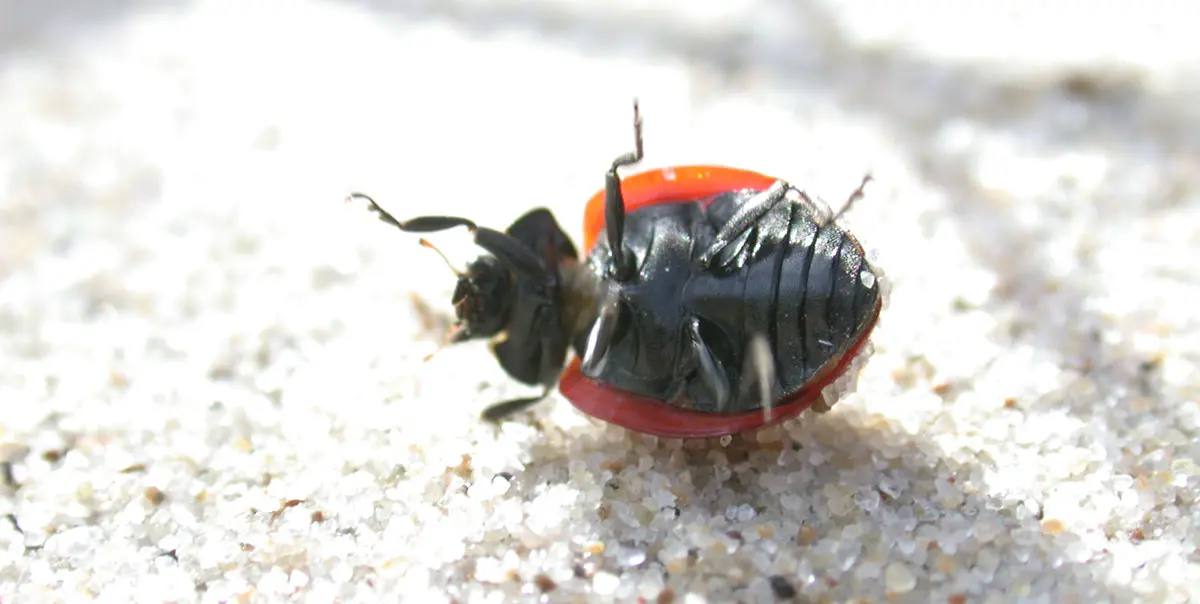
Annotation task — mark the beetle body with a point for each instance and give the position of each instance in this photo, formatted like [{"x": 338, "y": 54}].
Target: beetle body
[
  {"x": 685, "y": 324},
  {"x": 710, "y": 301}
]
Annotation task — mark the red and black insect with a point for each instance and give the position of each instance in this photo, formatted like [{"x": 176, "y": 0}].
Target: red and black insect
[{"x": 711, "y": 301}]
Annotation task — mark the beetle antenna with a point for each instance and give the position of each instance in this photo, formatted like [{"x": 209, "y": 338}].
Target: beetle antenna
[
  {"x": 426, "y": 243},
  {"x": 855, "y": 195},
  {"x": 453, "y": 336}
]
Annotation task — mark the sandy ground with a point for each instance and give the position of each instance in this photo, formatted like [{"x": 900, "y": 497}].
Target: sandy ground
[{"x": 212, "y": 384}]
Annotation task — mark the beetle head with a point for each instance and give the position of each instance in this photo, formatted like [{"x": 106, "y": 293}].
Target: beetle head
[{"x": 482, "y": 299}]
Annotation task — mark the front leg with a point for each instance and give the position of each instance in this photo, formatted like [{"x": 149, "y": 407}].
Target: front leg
[
  {"x": 506, "y": 248},
  {"x": 534, "y": 352}
]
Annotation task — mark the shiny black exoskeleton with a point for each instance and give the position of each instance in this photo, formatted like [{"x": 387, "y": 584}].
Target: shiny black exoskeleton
[
  {"x": 728, "y": 304},
  {"x": 726, "y": 295}
]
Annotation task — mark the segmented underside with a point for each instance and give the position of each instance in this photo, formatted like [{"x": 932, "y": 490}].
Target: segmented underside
[{"x": 800, "y": 282}]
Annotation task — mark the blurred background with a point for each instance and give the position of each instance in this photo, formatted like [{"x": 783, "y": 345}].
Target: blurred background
[{"x": 172, "y": 231}]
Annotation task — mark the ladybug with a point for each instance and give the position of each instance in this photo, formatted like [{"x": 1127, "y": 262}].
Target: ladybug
[{"x": 710, "y": 300}]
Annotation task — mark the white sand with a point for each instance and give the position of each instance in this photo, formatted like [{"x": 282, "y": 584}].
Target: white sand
[{"x": 211, "y": 370}]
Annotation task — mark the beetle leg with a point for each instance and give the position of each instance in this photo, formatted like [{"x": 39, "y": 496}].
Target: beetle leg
[
  {"x": 538, "y": 230},
  {"x": 423, "y": 224},
  {"x": 855, "y": 195},
  {"x": 745, "y": 217},
  {"x": 509, "y": 250},
  {"x": 596, "y": 351},
  {"x": 614, "y": 203},
  {"x": 501, "y": 411},
  {"x": 544, "y": 367},
  {"x": 760, "y": 368},
  {"x": 710, "y": 370}
]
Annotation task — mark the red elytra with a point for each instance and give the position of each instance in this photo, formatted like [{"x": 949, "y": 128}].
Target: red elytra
[
  {"x": 675, "y": 185},
  {"x": 669, "y": 185}
]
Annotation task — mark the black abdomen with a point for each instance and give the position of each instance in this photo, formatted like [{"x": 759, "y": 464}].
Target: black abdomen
[{"x": 806, "y": 288}]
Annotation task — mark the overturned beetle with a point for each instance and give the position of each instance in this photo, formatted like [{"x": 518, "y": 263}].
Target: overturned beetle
[{"x": 712, "y": 300}]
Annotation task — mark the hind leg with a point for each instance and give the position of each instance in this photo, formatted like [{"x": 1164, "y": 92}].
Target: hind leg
[
  {"x": 855, "y": 195},
  {"x": 758, "y": 372},
  {"x": 614, "y": 203}
]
